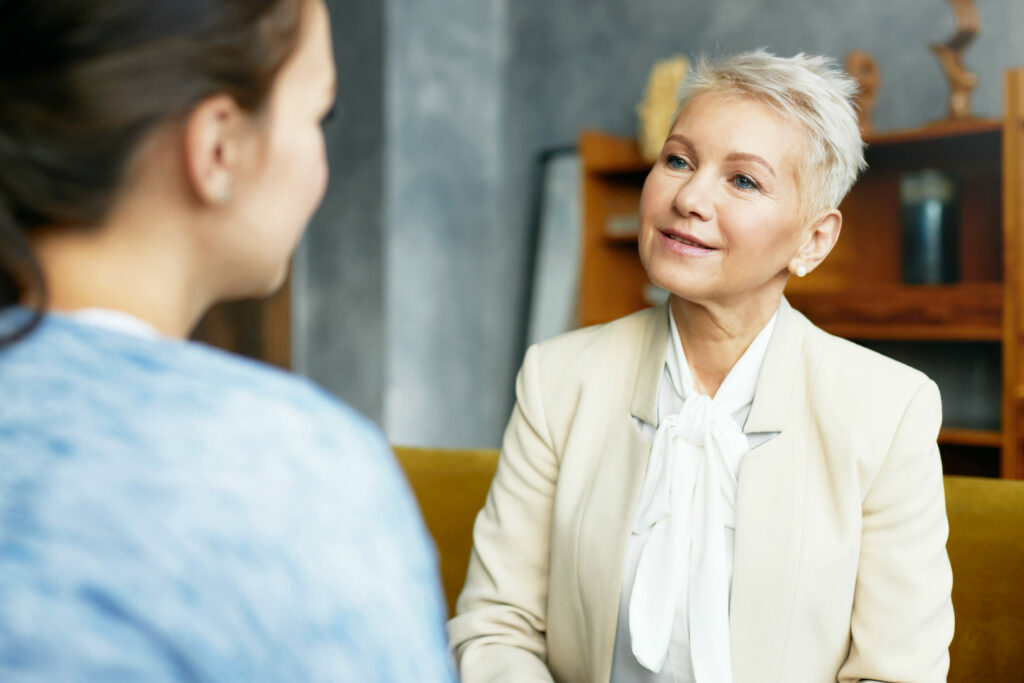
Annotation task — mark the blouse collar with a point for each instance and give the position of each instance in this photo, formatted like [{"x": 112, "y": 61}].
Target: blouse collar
[{"x": 737, "y": 391}]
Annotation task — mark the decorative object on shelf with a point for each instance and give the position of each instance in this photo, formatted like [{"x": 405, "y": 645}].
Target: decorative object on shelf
[
  {"x": 623, "y": 226},
  {"x": 930, "y": 230},
  {"x": 863, "y": 67},
  {"x": 659, "y": 105},
  {"x": 961, "y": 80}
]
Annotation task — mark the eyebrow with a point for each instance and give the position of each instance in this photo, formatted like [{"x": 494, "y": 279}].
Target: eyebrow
[
  {"x": 733, "y": 156},
  {"x": 753, "y": 158}
]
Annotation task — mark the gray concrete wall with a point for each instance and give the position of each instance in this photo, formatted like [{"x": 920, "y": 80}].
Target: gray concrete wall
[
  {"x": 583, "y": 63},
  {"x": 338, "y": 278},
  {"x": 453, "y": 269}
]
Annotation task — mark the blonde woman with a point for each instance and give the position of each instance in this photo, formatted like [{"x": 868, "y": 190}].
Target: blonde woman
[{"x": 716, "y": 490}]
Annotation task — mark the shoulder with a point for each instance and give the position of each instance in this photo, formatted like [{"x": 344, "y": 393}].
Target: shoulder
[
  {"x": 598, "y": 347},
  {"x": 849, "y": 384},
  {"x": 164, "y": 382},
  {"x": 588, "y": 374},
  {"x": 842, "y": 365},
  {"x": 110, "y": 397},
  {"x": 249, "y": 388},
  {"x": 152, "y": 456}
]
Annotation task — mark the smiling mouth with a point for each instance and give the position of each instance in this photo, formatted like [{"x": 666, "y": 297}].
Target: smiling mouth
[{"x": 687, "y": 241}]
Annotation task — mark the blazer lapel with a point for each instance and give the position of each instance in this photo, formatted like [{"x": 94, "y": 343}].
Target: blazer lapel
[
  {"x": 643, "y": 404},
  {"x": 770, "y": 508},
  {"x": 611, "y": 504}
]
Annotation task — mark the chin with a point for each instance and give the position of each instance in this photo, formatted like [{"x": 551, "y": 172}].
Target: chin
[
  {"x": 259, "y": 285},
  {"x": 276, "y": 282},
  {"x": 682, "y": 283}
]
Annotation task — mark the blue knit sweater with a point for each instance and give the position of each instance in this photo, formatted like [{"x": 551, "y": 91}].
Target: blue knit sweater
[{"x": 169, "y": 512}]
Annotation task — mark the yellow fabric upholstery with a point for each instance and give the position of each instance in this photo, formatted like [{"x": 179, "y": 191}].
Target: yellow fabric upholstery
[
  {"x": 986, "y": 548},
  {"x": 451, "y": 486}
]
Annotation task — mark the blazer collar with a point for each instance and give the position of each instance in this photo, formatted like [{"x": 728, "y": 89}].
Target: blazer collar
[
  {"x": 650, "y": 365},
  {"x": 770, "y": 408}
]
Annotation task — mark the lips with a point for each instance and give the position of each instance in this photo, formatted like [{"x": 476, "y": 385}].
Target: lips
[{"x": 686, "y": 239}]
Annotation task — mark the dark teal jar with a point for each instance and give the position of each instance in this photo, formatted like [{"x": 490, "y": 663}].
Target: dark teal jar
[{"x": 930, "y": 228}]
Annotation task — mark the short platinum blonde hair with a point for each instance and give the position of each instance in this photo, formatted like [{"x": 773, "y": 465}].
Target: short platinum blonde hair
[{"x": 811, "y": 90}]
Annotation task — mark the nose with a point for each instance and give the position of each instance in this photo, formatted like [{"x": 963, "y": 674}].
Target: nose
[{"x": 695, "y": 196}]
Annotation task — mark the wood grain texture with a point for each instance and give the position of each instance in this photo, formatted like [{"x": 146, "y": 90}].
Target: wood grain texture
[{"x": 1012, "y": 458}]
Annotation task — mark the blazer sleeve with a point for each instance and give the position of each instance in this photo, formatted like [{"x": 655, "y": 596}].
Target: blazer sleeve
[
  {"x": 498, "y": 633},
  {"x": 902, "y": 620}
]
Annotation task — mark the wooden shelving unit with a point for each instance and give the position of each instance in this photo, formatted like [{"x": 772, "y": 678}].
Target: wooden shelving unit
[
  {"x": 858, "y": 293},
  {"x": 970, "y": 437}
]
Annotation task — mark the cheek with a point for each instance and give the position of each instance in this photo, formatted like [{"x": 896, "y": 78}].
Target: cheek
[
  {"x": 758, "y": 237},
  {"x": 290, "y": 189},
  {"x": 319, "y": 171},
  {"x": 651, "y": 199},
  {"x": 651, "y": 206},
  {"x": 307, "y": 170}
]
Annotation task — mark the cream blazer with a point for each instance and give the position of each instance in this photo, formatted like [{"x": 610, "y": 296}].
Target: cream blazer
[{"x": 841, "y": 570}]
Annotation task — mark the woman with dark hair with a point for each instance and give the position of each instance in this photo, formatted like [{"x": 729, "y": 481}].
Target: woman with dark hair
[{"x": 168, "y": 511}]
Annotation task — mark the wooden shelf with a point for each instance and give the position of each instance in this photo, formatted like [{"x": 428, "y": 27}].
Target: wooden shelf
[
  {"x": 962, "y": 312},
  {"x": 970, "y": 437},
  {"x": 606, "y": 153},
  {"x": 935, "y": 131}
]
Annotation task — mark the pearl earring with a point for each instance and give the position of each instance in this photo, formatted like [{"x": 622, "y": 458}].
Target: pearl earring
[
  {"x": 801, "y": 271},
  {"x": 224, "y": 196}
]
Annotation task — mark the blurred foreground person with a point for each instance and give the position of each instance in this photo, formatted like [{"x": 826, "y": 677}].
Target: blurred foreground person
[{"x": 168, "y": 511}]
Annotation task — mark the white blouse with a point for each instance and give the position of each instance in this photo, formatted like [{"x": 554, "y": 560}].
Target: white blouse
[{"x": 679, "y": 559}]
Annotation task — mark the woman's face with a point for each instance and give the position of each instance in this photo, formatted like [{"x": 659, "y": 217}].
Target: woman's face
[
  {"x": 720, "y": 212},
  {"x": 285, "y": 174}
]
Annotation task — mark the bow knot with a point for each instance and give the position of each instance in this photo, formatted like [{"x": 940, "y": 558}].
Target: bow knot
[{"x": 687, "y": 510}]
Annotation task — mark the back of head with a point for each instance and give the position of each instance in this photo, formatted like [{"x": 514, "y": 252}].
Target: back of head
[
  {"x": 812, "y": 91},
  {"x": 83, "y": 81}
]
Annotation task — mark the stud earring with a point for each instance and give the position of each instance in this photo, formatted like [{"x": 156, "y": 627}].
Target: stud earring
[{"x": 801, "y": 271}]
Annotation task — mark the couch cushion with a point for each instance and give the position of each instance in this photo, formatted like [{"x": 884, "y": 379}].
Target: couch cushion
[
  {"x": 451, "y": 486},
  {"x": 986, "y": 549}
]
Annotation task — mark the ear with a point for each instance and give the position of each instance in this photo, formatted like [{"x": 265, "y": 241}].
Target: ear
[
  {"x": 822, "y": 234},
  {"x": 212, "y": 139}
]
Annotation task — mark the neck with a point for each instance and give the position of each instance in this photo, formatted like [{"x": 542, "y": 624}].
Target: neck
[
  {"x": 137, "y": 272},
  {"x": 715, "y": 336}
]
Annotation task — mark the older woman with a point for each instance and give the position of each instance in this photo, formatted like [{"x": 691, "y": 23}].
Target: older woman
[{"x": 717, "y": 490}]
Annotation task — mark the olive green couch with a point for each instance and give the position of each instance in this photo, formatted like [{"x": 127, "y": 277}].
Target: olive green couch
[{"x": 986, "y": 548}]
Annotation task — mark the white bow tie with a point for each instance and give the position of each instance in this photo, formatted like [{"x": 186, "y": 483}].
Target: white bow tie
[{"x": 688, "y": 499}]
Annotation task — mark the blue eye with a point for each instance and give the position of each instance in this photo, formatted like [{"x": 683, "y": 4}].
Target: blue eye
[
  {"x": 745, "y": 182},
  {"x": 676, "y": 162}
]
